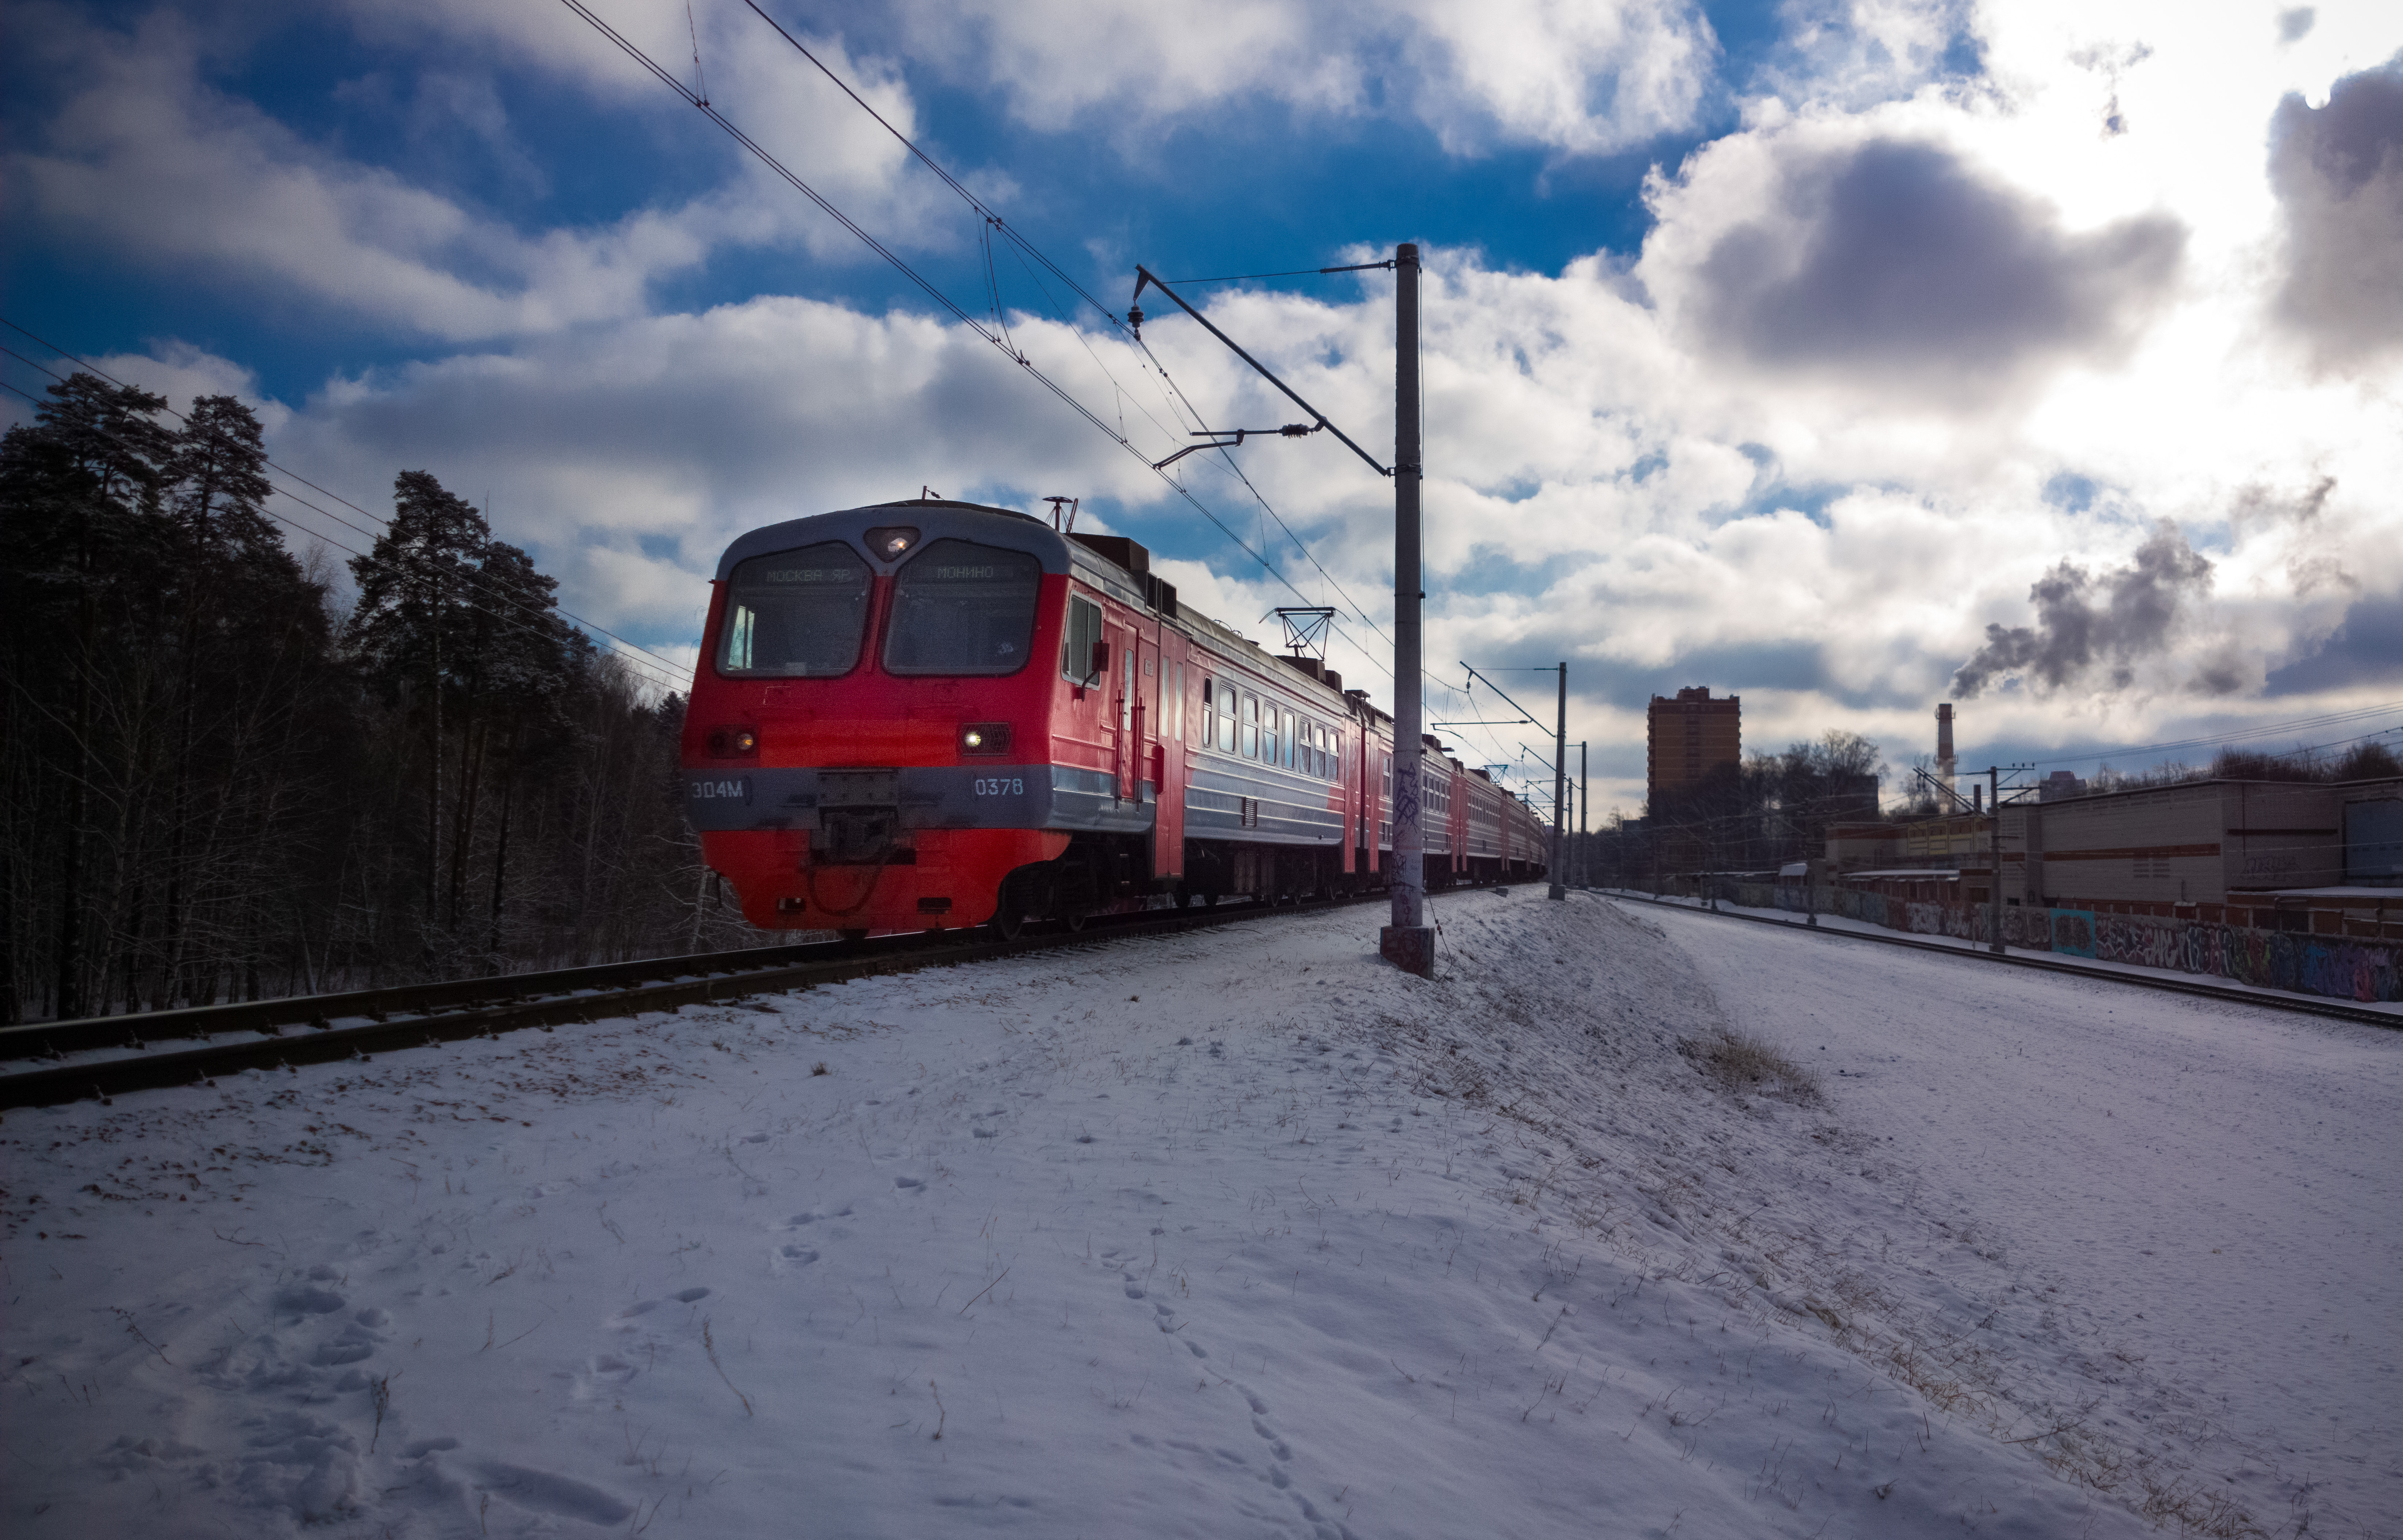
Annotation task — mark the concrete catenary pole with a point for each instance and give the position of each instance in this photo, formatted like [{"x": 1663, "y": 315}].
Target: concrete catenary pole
[
  {"x": 1994, "y": 860},
  {"x": 1585, "y": 805},
  {"x": 1560, "y": 888},
  {"x": 1409, "y": 941}
]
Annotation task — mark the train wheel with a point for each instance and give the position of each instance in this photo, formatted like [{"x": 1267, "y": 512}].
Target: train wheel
[
  {"x": 1008, "y": 920},
  {"x": 1209, "y": 900}
]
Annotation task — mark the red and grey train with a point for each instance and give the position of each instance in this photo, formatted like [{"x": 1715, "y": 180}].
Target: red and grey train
[{"x": 930, "y": 714}]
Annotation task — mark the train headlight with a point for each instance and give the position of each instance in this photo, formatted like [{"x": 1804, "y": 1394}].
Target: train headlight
[
  {"x": 888, "y": 542},
  {"x": 733, "y": 743},
  {"x": 984, "y": 738}
]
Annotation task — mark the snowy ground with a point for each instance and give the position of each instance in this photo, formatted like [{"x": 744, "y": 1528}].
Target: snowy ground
[
  {"x": 2209, "y": 1192},
  {"x": 1240, "y": 1233}
]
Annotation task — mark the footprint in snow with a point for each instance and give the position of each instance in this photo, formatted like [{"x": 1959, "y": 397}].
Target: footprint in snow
[
  {"x": 784, "y": 1258},
  {"x": 541, "y": 1491},
  {"x": 349, "y": 1348},
  {"x": 910, "y": 1184},
  {"x": 686, "y": 1296},
  {"x": 307, "y": 1299},
  {"x": 603, "y": 1378}
]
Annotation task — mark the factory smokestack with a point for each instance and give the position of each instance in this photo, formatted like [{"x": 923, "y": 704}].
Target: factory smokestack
[{"x": 1944, "y": 761}]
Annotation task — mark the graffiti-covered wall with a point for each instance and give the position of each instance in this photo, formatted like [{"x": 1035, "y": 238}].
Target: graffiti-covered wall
[{"x": 2307, "y": 964}]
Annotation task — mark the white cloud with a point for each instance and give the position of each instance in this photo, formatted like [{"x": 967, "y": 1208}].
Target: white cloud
[
  {"x": 1580, "y": 78},
  {"x": 148, "y": 161}
]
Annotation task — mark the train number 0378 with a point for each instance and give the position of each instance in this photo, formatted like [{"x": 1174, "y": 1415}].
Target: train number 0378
[{"x": 1001, "y": 785}]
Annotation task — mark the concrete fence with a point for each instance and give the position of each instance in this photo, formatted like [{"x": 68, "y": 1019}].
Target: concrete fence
[{"x": 2283, "y": 960}]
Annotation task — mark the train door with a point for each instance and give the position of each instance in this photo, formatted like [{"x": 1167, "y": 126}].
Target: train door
[
  {"x": 1124, "y": 694},
  {"x": 1145, "y": 735},
  {"x": 1171, "y": 730},
  {"x": 1345, "y": 796}
]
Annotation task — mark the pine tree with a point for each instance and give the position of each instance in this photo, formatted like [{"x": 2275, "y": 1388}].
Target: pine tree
[
  {"x": 219, "y": 504},
  {"x": 84, "y": 548},
  {"x": 414, "y": 625}
]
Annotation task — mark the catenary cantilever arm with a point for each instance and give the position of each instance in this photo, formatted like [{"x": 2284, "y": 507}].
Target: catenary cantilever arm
[{"x": 1143, "y": 275}]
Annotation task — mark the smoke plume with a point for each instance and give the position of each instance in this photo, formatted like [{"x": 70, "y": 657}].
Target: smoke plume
[
  {"x": 2339, "y": 172},
  {"x": 2083, "y": 621}
]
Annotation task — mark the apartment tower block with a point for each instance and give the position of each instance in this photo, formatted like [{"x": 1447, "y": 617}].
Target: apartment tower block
[{"x": 1690, "y": 737}]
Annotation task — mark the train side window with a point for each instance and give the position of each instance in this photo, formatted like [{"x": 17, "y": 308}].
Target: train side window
[
  {"x": 1250, "y": 726},
  {"x": 1269, "y": 739},
  {"x": 1227, "y": 715},
  {"x": 1178, "y": 730},
  {"x": 796, "y": 614},
  {"x": 1083, "y": 630},
  {"x": 1285, "y": 739}
]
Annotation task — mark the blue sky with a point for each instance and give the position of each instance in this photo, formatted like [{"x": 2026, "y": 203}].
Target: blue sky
[{"x": 1762, "y": 341}]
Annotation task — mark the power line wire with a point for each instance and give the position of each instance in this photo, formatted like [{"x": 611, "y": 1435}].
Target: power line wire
[
  {"x": 995, "y": 222},
  {"x": 676, "y": 669},
  {"x": 672, "y": 679},
  {"x": 668, "y": 79},
  {"x": 1290, "y": 272}
]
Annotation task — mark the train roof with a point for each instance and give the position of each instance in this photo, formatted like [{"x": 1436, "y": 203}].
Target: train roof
[{"x": 936, "y": 518}]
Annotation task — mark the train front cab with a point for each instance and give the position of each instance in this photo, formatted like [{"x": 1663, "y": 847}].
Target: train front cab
[{"x": 898, "y": 708}]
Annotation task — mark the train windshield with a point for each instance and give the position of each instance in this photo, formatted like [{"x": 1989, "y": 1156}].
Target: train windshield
[
  {"x": 797, "y": 614},
  {"x": 959, "y": 607}
]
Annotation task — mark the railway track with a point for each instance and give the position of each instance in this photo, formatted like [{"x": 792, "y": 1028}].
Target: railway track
[
  {"x": 2307, "y": 1004},
  {"x": 144, "y": 1051}
]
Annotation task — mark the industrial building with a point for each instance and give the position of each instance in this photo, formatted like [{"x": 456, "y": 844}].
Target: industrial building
[
  {"x": 2216, "y": 843},
  {"x": 2320, "y": 856}
]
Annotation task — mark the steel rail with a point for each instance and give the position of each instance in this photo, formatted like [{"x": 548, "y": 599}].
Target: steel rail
[
  {"x": 2308, "y": 1004},
  {"x": 314, "y": 1029}
]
